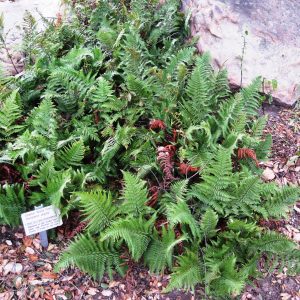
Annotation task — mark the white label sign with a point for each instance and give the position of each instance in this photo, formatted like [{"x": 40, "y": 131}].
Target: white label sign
[{"x": 41, "y": 219}]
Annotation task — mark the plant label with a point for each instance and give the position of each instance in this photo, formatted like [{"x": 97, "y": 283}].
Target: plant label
[{"x": 41, "y": 219}]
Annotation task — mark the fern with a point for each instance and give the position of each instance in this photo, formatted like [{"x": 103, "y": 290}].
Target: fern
[
  {"x": 135, "y": 195},
  {"x": 10, "y": 113},
  {"x": 251, "y": 97},
  {"x": 98, "y": 208},
  {"x": 278, "y": 202},
  {"x": 209, "y": 224},
  {"x": 187, "y": 274},
  {"x": 135, "y": 232},
  {"x": 92, "y": 257},
  {"x": 71, "y": 156},
  {"x": 159, "y": 254},
  {"x": 180, "y": 213},
  {"x": 12, "y": 204},
  {"x": 55, "y": 187}
]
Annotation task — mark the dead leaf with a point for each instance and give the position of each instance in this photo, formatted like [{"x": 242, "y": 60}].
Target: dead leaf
[
  {"x": 92, "y": 291},
  {"x": 285, "y": 296},
  {"x": 12, "y": 267},
  {"x": 33, "y": 258},
  {"x": 268, "y": 174},
  {"x": 29, "y": 250},
  {"x": 18, "y": 282},
  {"x": 49, "y": 275},
  {"x": 107, "y": 293},
  {"x": 27, "y": 241}
]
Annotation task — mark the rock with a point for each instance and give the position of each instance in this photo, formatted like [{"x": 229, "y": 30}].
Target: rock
[
  {"x": 268, "y": 174},
  {"x": 259, "y": 37}
]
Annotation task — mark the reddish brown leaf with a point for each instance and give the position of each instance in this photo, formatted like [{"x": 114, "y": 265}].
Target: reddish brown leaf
[{"x": 49, "y": 275}]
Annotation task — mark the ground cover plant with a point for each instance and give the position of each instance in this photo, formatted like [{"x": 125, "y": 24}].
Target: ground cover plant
[{"x": 118, "y": 117}]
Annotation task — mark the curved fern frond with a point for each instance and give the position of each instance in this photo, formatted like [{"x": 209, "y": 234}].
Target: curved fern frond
[
  {"x": 135, "y": 232},
  {"x": 135, "y": 195},
  {"x": 12, "y": 204},
  {"x": 187, "y": 274},
  {"x": 159, "y": 254},
  {"x": 70, "y": 156},
  {"x": 92, "y": 257},
  {"x": 179, "y": 213},
  {"x": 98, "y": 208},
  {"x": 10, "y": 113}
]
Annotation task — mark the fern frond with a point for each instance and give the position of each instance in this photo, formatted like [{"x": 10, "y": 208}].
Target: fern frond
[
  {"x": 12, "y": 204},
  {"x": 135, "y": 232},
  {"x": 10, "y": 113},
  {"x": 135, "y": 195},
  {"x": 187, "y": 274},
  {"x": 179, "y": 213},
  {"x": 70, "y": 156},
  {"x": 159, "y": 254},
  {"x": 98, "y": 209},
  {"x": 92, "y": 257},
  {"x": 208, "y": 224},
  {"x": 278, "y": 204},
  {"x": 55, "y": 187},
  {"x": 251, "y": 97}
]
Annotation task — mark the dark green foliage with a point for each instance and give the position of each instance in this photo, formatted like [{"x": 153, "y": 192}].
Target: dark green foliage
[
  {"x": 78, "y": 129},
  {"x": 12, "y": 204},
  {"x": 93, "y": 257}
]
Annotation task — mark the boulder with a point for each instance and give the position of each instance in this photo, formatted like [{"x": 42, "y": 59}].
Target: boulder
[{"x": 252, "y": 38}]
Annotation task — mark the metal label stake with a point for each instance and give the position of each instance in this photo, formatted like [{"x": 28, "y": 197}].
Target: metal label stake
[{"x": 43, "y": 234}]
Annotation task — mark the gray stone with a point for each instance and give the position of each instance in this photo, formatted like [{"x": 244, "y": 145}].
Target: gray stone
[{"x": 261, "y": 38}]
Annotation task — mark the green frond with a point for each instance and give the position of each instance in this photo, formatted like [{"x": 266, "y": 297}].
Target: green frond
[
  {"x": 183, "y": 56},
  {"x": 258, "y": 126},
  {"x": 45, "y": 171},
  {"x": 43, "y": 119},
  {"x": 278, "y": 203},
  {"x": 12, "y": 204},
  {"x": 274, "y": 243},
  {"x": 159, "y": 254},
  {"x": 178, "y": 189},
  {"x": 179, "y": 213},
  {"x": 55, "y": 187},
  {"x": 229, "y": 281},
  {"x": 70, "y": 156},
  {"x": 100, "y": 93},
  {"x": 93, "y": 257},
  {"x": 247, "y": 197},
  {"x": 98, "y": 209},
  {"x": 135, "y": 195},
  {"x": 10, "y": 114},
  {"x": 209, "y": 223},
  {"x": 187, "y": 274},
  {"x": 135, "y": 232},
  {"x": 251, "y": 97},
  {"x": 263, "y": 149}
]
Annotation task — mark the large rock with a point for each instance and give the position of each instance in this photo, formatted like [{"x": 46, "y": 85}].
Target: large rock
[
  {"x": 13, "y": 13},
  {"x": 261, "y": 38}
]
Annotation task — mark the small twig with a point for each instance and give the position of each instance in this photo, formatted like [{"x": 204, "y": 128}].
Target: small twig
[
  {"x": 2, "y": 39},
  {"x": 242, "y": 58}
]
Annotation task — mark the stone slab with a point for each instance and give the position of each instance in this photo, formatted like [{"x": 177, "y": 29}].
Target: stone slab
[{"x": 261, "y": 38}]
